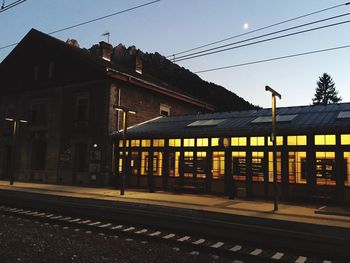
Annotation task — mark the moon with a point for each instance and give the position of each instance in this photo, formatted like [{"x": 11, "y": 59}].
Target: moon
[{"x": 245, "y": 26}]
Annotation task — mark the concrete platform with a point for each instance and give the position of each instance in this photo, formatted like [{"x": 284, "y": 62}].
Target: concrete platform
[{"x": 301, "y": 213}]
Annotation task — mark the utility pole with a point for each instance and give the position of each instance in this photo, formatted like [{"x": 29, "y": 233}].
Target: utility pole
[{"x": 274, "y": 94}]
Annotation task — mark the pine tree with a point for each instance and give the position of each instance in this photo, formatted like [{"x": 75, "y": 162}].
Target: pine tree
[{"x": 325, "y": 91}]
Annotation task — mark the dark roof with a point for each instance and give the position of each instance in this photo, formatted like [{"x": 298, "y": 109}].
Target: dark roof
[{"x": 290, "y": 120}]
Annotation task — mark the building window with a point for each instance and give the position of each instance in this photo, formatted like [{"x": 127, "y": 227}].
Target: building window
[
  {"x": 158, "y": 143},
  {"x": 174, "y": 142},
  {"x": 345, "y": 139},
  {"x": 38, "y": 113},
  {"x": 257, "y": 141},
  {"x": 324, "y": 139},
  {"x": 146, "y": 143},
  {"x": 279, "y": 141},
  {"x": 346, "y": 168},
  {"x": 164, "y": 110},
  {"x": 201, "y": 168},
  {"x": 121, "y": 143},
  {"x": 258, "y": 166},
  {"x": 144, "y": 163},
  {"x": 174, "y": 159},
  {"x": 135, "y": 143},
  {"x": 82, "y": 110},
  {"x": 189, "y": 142},
  {"x": 239, "y": 141},
  {"x": 325, "y": 165},
  {"x": 296, "y": 140},
  {"x": 188, "y": 164},
  {"x": 157, "y": 163},
  {"x": 278, "y": 167},
  {"x": 134, "y": 163},
  {"x": 39, "y": 155},
  {"x": 297, "y": 171},
  {"x": 218, "y": 165},
  {"x": 215, "y": 142},
  {"x": 202, "y": 142},
  {"x": 239, "y": 166}
]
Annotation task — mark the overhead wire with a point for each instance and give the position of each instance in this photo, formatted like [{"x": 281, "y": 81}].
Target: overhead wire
[
  {"x": 257, "y": 30},
  {"x": 11, "y": 5}
]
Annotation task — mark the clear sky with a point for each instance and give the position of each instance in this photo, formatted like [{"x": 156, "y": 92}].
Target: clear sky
[{"x": 171, "y": 26}]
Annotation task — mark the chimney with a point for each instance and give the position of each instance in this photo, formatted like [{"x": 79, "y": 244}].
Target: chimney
[
  {"x": 105, "y": 50},
  {"x": 138, "y": 63}
]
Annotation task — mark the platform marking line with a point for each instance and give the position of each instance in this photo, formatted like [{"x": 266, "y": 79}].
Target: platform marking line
[
  {"x": 117, "y": 227},
  {"x": 141, "y": 231},
  {"x": 217, "y": 245},
  {"x": 128, "y": 229},
  {"x": 74, "y": 220},
  {"x": 168, "y": 236},
  {"x": 24, "y": 211},
  {"x": 105, "y": 225},
  {"x": 66, "y": 218},
  {"x": 157, "y": 233},
  {"x": 41, "y": 214},
  {"x": 182, "y": 239},
  {"x": 33, "y": 213},
  {"x": 277, "y": 256},
  {"x": 85, "y": 222},
  {"x": 256, "y": 252},
  {"x": 56, "y": 217},
  {"x": 236, "y": 248},
  {"x": 301, "y": 259},
  {"x": 95, "y": 223},
  {"x": 199, "y": 241},
  {"x": 50, "y": 215}
]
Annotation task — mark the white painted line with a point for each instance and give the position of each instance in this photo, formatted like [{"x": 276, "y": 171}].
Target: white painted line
[
  {"x": 50, "y": 215},
  {"x": 169, "y": 236},
  {"x": 141, "y": 231},
  {"x": 301, "y": 259},
  {"x": 74, "y": 220},
  {"x": 217, "y": 245},
  {"x": 236, "y": 248},
  {"x": 157, "y": 233},
  {"x": 194, "y": 253},
  {"x": 66, "y": 227},
  {"x": 66, "y": 218},
  {"x": 17, "y": 210},
  {"x": 56, "y": 217},
  {"x": 237, "y": 261},
  {"x": 117, "y": 227},
  {"x": 199, "y": 241},
  {"x": 25, "y": 212},
  {"x": 256, "y": 252},
  {"x": 184, "y": 238},
  {"x": 105, "y": 225},
  {"x": 33, "y": 213},
  {"x": 277, "y": 256},
  {"x": 85, "y": 222},
  {"x": 41, "y": 214},
  {"x": 128, "y": 229},
  {"x": 95, "y": 223}
]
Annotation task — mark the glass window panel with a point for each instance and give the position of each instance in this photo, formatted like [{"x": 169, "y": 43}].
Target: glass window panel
[
  {"x": 346, "y": 168},
  {"x": 258, "y": 166},
  {"x": 158, "y": 143},
  {"x": 144, "y": 163},
  {"x": 325, "y": 166},
  {"x": 134, "y": 163},
  {"x": 324, "y": 139},
  {"x": 218, "y": 165},
  {"x": 296, "y": 140},
  {"x": 270, "y": 170},
  {"x": 135, "y": 143},
  {"x": 257, "y": 141},
  {"x": 146, "y": 143},
  {"x": 188, "y": 142},
  {"x": 201, "y": 168},
  {"x": 215, "y": 142},
  {"x": 188, "y": 165},
  {"x": 175, "y": 142},
  {"x": 174, "y": 159},
  {"x": 239, "y": 141},
  {"x": 202, "y": 142},
  {"x": 239, "y": 166},
  {"x": 279, "y": 141},
  {"x": 297, "y": 170},
  {"x": 157, "y": 163},
  {"x": 345, "y": 139}
]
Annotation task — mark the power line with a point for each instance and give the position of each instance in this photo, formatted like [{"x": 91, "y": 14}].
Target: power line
[
  {"x": 275, "y": 58},
  {"x": 258, "y": 29},
  {"x": 11, "y": 5},
  {"x": 265, "y": 40},
  {"x": 91, "y": 21}
]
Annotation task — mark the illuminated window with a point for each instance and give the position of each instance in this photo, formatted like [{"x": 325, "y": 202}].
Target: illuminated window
[
  {"x": 146, "y": 143},
  {"x": 121, "y": 143},
  {"x": 188, "y": 165},
  {"x": 188, "y": 142},
  {"x": 202, "y": 142},
  {"x": 144, "y": 163},
  {"x": 157, "y": 163},
  {"x": 134, "y": 163},
  {"x": 120, "y": 163},
  {"x": 158, "y": 143},
  {"x": 345, "y": 139},
  {"x": 257, "y": 141},
  {"x": 174, "y": 142},
  {"x": 279, "y": 169},
  {"x": 279, "y": 141},
  {"x": 347, "y": 168},
  {"x": 214, "y": 141},
  {"x": 324, "y": 139},
  {"x": 239, "y": 141},
  {"x": 218, "y": 165},
  {"x": 297, "y": 170},
  {"x": 325, "y": 165},
  {"x": 174, "y": 158},
  {"x": 135, "y": 143},
  {"x": 296, "y": 140},
  {"x": 201, "y": 167},
  {"x": 258, "y": 166},
  {"x": 239, "y": 166}
]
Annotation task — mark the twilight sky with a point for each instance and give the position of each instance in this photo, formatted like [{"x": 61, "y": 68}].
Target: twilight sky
[{"x": 172, "y": 26}]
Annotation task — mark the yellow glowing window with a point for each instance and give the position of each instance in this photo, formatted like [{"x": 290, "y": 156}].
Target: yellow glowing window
[
  {"x": 296, "y": 140},
  {"x": 158, "y": 143},
  {"x": 146, "y": 143},
  {"x": 324, "y": 139},
  {"x": 238, "y": 141},
  {"x": 214, "y": 141},
  {"x": 279, "y": 141},
  {"x": 257, "y": 141},
  {"x": 121, "y": 143},
  {"x": 135, "y": 143},
  {"x": 188, "y": 142},
  {"x": 347, "y": 168},
  {"x": 175, "y": 142},
  {"x": 345, "y": 139},
  {"x": 202, "y": 142},
  {"x": 157, "y": 163}
]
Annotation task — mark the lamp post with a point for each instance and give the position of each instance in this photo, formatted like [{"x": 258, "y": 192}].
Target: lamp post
[
  {"x": 125, "y": 111},
  {"x": 14, "y": 136},
  {"x": 274, "y": 94}
]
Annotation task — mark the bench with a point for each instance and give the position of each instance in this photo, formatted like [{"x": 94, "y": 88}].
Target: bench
[{"x": 189, "y": 185}]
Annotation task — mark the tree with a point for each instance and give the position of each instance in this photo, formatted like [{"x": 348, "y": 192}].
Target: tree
[{"x": 325, "y": 91}]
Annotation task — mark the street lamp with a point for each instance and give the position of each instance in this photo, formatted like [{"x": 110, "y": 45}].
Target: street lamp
[
  {"x": 125, "y": 111},
  {"x": 273, "y": 139},
  {"x": 14, "y": 135}
]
